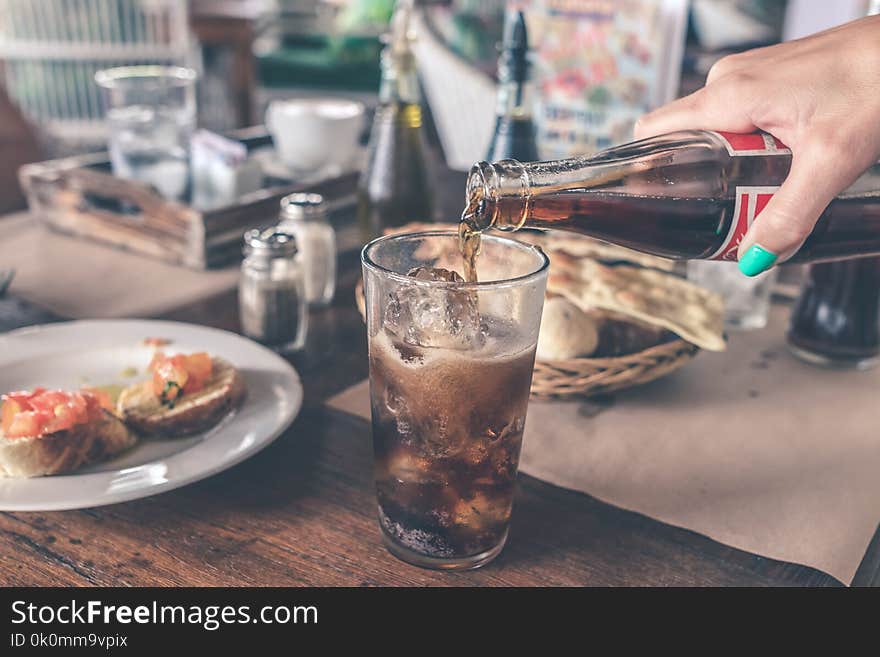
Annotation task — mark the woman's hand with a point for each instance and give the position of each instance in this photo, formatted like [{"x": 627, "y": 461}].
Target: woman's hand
[{"x": 821, "y": 96}]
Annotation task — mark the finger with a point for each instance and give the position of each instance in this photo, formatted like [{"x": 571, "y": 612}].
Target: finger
[
  {"x": 724, "y": 105},
  {"x": 724, "y": 66},
  {"x": 790, "y": 216},
  {"x": 740, "y": 61}
]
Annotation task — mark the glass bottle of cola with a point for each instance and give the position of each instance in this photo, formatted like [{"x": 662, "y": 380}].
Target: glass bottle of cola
[
  {"x": 684, "y": 195},
  {"x": 393, "y": 188}
]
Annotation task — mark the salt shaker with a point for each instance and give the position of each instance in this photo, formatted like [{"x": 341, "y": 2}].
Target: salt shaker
[
  {"x": 271, "y": 292},
  {"x": 304, "y": 216}
]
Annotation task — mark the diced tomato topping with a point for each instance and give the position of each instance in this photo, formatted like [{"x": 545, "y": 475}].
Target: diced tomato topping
[
  {"x": 103, "y": 397},
  {"x": 177, "y": 375},
  {"x": 169, "y": 378},
  {"x": 47, "y": 400},
  {"x": 28, "y": 423},
  {"x": 8, "y": 411},
  {"x": 23, "y": 396},
  {"x": 63, "y": 416},
  {"x": 45, "y": 411},
  {"x": 200, "y": 368}
]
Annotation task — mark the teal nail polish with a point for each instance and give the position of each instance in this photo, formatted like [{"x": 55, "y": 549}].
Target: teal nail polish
[{"x": 755, "y": 260}]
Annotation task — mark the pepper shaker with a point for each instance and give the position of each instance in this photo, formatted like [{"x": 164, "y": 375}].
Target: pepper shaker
[
  {"x": 272, "y": 300},
  {"x": 305, "y": 216}
]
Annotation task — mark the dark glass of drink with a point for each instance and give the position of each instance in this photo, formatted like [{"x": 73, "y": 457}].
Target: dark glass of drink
[
  {"x": 450, "y": 371},
  {"x": 836, "y": 321}
]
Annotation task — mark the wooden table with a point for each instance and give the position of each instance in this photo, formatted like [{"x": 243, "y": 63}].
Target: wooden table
[{"x": 302, "y": 512}]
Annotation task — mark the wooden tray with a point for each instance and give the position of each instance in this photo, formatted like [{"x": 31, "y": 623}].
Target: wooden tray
[{"x": 80, "y": 196}]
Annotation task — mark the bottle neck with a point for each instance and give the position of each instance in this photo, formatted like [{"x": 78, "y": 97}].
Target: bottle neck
[
  {"x": 514, "y": 100},
  {"x": 500, "y": 194},
  {"x": 514, "y": 85},
  {"x": 514, "y": 135},
  {"x": 399, "y": 98},
  {"x": 400, "y": 84},
  {"x": 513, "y": 69}
]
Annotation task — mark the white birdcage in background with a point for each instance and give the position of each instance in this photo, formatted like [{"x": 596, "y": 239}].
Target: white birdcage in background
[
  {"x": 51, "y": 49},
  {"x": 456, "y": 93}
]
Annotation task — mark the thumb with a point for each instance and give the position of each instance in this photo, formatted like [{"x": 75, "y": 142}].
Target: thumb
[{"x": 790, "y": 216}]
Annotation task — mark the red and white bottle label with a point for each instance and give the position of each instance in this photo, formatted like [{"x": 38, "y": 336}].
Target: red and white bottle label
[
  {"x": 755, "y": 143},
  {"x": 750, "y": 201}
]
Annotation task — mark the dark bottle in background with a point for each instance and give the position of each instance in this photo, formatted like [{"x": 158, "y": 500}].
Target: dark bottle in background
[
  {"x": 836, "y": 320},
  {"x": 393, "y": 188},
  {"x": 514, "y": 136},
  {"x": 685, "y": 195}
]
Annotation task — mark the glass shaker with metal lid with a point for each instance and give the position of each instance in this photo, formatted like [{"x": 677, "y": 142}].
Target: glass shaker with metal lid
[
  {"x": 304, "y": 215},
  {"x": 271, "y": 293}
]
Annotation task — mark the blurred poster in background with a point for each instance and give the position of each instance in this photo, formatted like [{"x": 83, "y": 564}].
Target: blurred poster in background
[
  {"x": 803, "y": 17},
  {"x": 599, "y": 65}
]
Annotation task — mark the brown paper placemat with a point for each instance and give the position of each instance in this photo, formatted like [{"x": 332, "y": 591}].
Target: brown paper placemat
[
  {"x": 750, "y": 447},
  {"x": 79, "y": 279}
]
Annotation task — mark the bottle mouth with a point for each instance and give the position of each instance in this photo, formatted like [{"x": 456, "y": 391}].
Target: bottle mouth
[
  {"x": 477, "y": 190},
  {"x": 487, "y": 184}
]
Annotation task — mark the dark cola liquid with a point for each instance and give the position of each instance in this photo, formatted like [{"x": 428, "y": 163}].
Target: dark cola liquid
[
  {"x": 689, "y": 228},
  {"x": 836, "y": 320},
  {"x": 447, "y": 432},
  {"x": 674, "y": 228}
]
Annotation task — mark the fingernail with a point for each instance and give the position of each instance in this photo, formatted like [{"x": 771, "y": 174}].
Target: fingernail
[{"x": 756, "y": 260}]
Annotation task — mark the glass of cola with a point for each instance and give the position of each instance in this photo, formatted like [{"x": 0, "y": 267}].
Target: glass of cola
[{"x": 450, "y": 371}]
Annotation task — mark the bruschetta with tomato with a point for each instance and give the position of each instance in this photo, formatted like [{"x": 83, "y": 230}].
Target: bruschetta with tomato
[
  {"x": 186, "y": 394},
  {"x": 45, "y": 432}
]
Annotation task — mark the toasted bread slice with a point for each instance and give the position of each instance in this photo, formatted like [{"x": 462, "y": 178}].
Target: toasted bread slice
[
  {"x": 142, "y": 410},
  {"x": 64, "y": 451}
]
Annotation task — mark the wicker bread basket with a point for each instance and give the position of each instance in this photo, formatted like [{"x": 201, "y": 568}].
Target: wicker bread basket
[{"x": 583, "y": 377}]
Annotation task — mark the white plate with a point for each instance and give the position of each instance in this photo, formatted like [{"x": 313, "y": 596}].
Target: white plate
[{"x": 74, "y": 354}]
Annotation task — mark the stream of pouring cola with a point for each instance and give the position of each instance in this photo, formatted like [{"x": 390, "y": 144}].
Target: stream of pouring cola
[{"x": 469, "y": 240}]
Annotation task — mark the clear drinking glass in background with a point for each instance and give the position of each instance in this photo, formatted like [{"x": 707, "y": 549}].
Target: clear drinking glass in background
[
  {"x": 450, "y": 372},
  {"x": 746, "y": 299},
  {"x": 151, "y": 115}
]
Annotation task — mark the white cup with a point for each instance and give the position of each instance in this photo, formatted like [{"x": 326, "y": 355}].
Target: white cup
[{"x": 314, "y": 135}]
